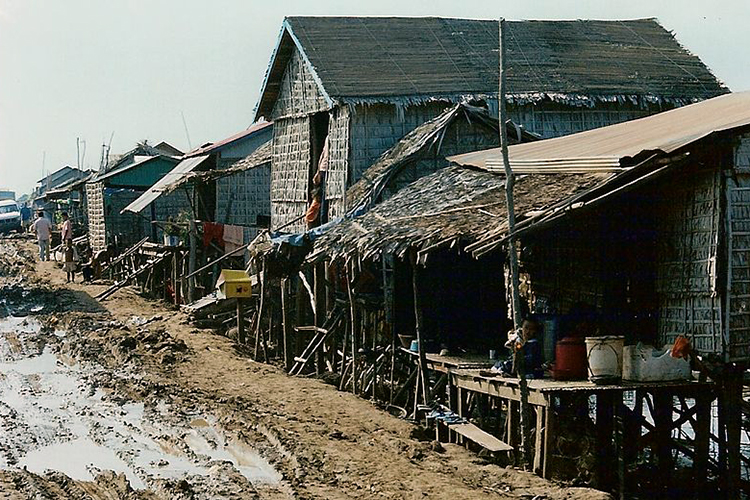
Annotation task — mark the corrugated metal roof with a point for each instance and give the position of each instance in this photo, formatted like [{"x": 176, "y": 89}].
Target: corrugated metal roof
[
  {"x": 183, "y": 168},
  {"x": 618, "y": 145}
]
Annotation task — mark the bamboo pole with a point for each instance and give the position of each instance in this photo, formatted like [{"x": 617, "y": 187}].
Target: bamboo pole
[
  {"x": 262, "y": 280},
  {"x": 285, "y": 326},
  {"x": 418, "y": 328},
  {"x": 512, "y": 254},
  {"x": 349, "y": 280}
]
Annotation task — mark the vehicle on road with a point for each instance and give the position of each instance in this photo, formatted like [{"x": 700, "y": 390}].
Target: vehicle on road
[{"x": 10, "y": 216}]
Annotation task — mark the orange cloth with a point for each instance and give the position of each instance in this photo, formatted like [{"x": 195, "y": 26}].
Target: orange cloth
[{"x": 313, "y": 211}]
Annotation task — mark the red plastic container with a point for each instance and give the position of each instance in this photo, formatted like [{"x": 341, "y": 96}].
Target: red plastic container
[{"x": 570, "y": 359}]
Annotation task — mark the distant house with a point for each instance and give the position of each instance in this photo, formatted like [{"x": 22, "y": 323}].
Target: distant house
[
  {"x": 366, "y": 82},
  {"x": 57, "y": 179},
  {"x": 116, "y": 186},
  {"x": 228, "y": 180}
]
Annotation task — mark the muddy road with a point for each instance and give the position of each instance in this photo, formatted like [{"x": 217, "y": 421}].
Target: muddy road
[{"x": 124, "y": 400}]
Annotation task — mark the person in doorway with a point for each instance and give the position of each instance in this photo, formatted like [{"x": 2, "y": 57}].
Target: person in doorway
[
  {"x": 313, "y": 211},
  {"x": 43, "y": 230},
  {"x": 67, "y": 228},
  {"x": 70, "y": 262}
]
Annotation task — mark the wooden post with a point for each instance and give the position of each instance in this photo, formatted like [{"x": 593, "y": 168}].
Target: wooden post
[
  {"x": 604, "y": 432},
  {"x": 316, "y": 318},
  {"x": 512, "y": 255},
  {"x": 349, "y": 279},
  {"x": 193, "y": 259},
  {"x": 663, "y": 409},
  {"x": 262, "y": 293},
  {"x": 731, "y": 393},
  {"x": 240, "y": 322},
  {"x": 288, "y": 358},
  {"x": 702, "y": 430},
  {"x": 418, "y": 325}
]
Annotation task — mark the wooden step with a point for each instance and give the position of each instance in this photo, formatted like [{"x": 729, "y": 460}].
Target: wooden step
[{"x": 480, "y": 437}]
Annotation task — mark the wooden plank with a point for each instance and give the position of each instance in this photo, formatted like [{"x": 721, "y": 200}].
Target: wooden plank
[{"x": 480, "y": 437}]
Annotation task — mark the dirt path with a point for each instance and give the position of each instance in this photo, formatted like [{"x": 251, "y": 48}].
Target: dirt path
[{"x": 164, "y": 392}]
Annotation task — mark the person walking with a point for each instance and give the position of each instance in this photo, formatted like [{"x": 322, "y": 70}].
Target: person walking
[
  {"x": 67, "y": 228},
  {"x": 43, "y": 230}
]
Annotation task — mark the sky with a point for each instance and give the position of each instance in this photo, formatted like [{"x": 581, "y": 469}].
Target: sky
[{"x": 76, "y": 73}]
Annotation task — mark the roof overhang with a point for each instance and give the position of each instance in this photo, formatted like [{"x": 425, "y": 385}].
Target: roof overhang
[
  {"x": 285, "y": 44},
  {"x": 617, "y": 147},
  {"x": 180, "y": 170}
]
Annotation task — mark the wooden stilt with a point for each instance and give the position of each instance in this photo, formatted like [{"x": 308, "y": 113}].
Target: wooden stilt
[
  {"x": 240, "y": 321},
  {"x": 353, "y": 322},
  {"x": 702, "y": 431},
  {"x": 261, "y": 296},
  {"x": 418, "y": 326},
  {"x": 288, "y": 357}
]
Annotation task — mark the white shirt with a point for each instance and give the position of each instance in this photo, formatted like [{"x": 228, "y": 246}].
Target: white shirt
[
  {"x": 42, "y": 228},
  {"x": 67, "y": 230}
]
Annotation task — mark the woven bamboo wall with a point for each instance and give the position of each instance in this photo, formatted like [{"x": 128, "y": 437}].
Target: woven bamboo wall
[
  {"x": 124, "y": 229},
  {"x": 549, "y": 119},
  {"x": 169, "y": 205},
  {"x": 338, "y": 160},
  {"x": 376, "y": 128},
  {"x": 687, "y": 249},
  {"x": 299, "y": 94},
  {"x": 564, "y": 267},
  {"x": 242, "y": 197},
  {"x": 738, "y": 300},
  {"x": 95, "y": 209},
  {"x": 290, "y": 171}
]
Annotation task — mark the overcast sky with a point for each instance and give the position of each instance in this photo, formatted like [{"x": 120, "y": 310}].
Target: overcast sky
[{"x": 87, "y": 68}]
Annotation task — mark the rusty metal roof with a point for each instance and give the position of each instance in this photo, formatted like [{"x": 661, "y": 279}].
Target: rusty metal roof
[{"x": 619, "y": 146}]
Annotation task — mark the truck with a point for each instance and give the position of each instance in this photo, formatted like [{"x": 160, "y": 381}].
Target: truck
[
  {"x": 10, "y": 216},
  {"x": 6, "y": 194}
]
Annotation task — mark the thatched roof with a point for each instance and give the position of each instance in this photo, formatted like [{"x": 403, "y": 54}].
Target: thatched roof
[
  {"x": 455, "y": 205},
  {"x": 367, "y": 191},
  {"x": 401, "y": 60}
]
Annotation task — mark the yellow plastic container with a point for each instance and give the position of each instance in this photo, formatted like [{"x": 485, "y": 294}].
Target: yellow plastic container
[{"x": 233, "y": 284}]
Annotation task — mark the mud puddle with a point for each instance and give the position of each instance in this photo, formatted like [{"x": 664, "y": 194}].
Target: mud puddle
[{"x": 52, "y": 419}]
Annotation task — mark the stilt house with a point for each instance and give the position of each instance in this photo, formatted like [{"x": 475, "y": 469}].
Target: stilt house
[
  {"x": 226, "y": 181},
  {"x": 118, "y": 185},
  {"x": 365, "y": 82}
]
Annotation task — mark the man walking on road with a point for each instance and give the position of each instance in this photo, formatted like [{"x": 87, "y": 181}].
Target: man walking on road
[{"x": 43, "y": 230}]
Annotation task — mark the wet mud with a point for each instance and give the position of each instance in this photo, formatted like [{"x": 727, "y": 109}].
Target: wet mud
[{"x": 131, "y": 402}]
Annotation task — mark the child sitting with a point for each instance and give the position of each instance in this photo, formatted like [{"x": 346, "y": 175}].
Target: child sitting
[
  {"x": 70, "y": 261},
  {"x": 531, "y": 350}
]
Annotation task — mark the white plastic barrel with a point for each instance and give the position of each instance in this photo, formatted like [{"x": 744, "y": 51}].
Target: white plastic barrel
[{"x": 604, "y": 356}]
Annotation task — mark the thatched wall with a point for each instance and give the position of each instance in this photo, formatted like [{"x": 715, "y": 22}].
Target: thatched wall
[
  {"x": 170, "y": 206},
  {"x": 95, "y": 212},
  {"x": 550, "y": 119},
  {"x": 687, "y": 251},
  {"x": 738, "y": 196},
  {"x": 290, "y": 171},
  {"x": 242, "y": 197},
  {"x": 376, "y": 128},
  {"x": 338, "y": 160},
  {"x": 299, "y": 94}
]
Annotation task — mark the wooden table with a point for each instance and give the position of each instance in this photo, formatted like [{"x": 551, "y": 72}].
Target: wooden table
[{"x": 611, "y": 415}]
